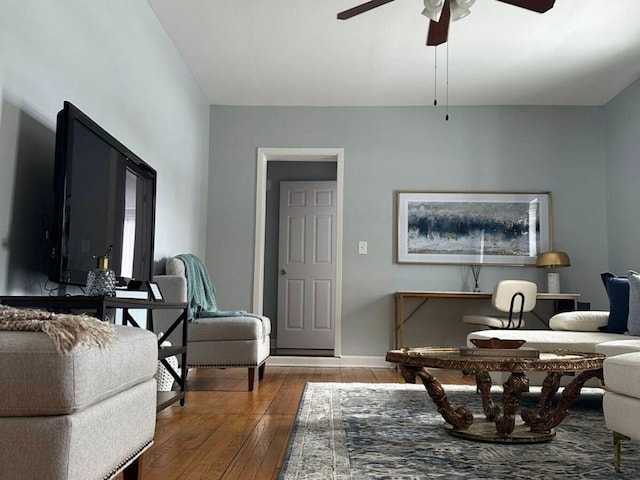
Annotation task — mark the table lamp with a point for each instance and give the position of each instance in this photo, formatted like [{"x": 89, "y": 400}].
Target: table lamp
[{"x": 553, "y": 260}]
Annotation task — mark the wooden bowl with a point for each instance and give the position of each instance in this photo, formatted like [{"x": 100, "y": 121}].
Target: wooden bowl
[{"x": 497, "y": 343}]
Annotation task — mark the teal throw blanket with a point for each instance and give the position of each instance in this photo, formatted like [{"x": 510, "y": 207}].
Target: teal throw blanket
[{"x": 201, "y": 292}]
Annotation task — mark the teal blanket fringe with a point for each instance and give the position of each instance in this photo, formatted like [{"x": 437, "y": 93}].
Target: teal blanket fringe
[{"x": 201, "y": 292}]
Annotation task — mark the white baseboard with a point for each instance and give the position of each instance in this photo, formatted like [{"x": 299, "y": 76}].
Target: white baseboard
[{"x": 348, "y": 361}]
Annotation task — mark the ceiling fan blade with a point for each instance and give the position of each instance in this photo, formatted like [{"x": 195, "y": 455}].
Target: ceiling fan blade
[
  {"x": 439, "y": 31},
  {"x": 539, "y": 6},
  {"x": 365, "y": 7}
]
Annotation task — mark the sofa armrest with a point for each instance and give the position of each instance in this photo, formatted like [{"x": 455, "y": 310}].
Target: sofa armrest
[
  {"x": 579, "y": 321},
  {"x": 173, "y": 287}
]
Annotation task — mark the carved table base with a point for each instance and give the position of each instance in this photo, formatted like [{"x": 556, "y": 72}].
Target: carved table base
[
  {"x": 500, "y": 424},
  {"x": 485, "y": 431}
]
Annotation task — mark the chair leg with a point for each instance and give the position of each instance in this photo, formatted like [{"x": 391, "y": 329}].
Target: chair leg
[
  {"x": 252, "y": 374},
  {"x": 617, "y": 441}
]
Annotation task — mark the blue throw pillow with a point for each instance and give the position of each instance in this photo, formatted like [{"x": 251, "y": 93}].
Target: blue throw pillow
[{"x": 618, "y": 293}]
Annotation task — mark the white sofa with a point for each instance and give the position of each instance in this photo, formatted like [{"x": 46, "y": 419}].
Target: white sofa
[{"x": 578, "y": 331}]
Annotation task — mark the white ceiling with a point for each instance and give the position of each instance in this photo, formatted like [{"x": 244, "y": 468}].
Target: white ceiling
[{"x": 295, "y": 52}]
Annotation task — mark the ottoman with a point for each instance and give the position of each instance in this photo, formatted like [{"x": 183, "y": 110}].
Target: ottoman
[{"x": 87, "y": 414}]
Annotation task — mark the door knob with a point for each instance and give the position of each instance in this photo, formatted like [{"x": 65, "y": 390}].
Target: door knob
[{"x": 283, "y": 272}]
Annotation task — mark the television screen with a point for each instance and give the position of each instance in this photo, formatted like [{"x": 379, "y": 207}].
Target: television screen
[{"x": 104, "y": 200}]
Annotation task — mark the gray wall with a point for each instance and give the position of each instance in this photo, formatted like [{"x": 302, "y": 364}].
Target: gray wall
[
  {"x": 115, "y": 62},
  {"x": 558, "y": 149},
  {"x": 622, "y": 121}
]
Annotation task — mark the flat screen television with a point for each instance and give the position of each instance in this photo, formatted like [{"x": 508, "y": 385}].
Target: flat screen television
[{"x": 104, "y": 196}]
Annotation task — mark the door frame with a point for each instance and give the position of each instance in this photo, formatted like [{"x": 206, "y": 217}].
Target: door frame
[{"x": 266, "y": 155}]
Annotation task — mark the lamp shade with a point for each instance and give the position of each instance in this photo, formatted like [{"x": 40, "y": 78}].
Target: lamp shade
[{"x": 553, "y": 260}]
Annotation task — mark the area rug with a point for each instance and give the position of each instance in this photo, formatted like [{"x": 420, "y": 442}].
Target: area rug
[{"x": 393, "y": 431}]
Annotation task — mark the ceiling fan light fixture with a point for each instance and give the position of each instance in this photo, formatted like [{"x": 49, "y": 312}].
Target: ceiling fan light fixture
[
  {"x": 460, "y": 9},
  {"x": 458, "y": 12},
  {"x": 435, "y": 16},
  {"x": 433, "y": 9},
  {"x": 463, "y": 3},
  {"x": 433, "y": 4},
  {"x": 440, "y": 13}
]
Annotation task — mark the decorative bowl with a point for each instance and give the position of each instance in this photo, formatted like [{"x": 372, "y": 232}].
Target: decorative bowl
[{"x": 497, "y": 343}]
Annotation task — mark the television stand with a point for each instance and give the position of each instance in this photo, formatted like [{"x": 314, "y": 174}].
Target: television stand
[{"x": 100, "y": 305}]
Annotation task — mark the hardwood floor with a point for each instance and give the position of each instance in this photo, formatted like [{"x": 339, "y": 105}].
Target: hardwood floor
[{"x": 225, "y": 432}]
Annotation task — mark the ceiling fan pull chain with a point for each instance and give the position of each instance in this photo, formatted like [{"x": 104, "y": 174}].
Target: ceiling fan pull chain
[
  {"x": 435, "y": 76},
  {"x": 447, "y": 90}
]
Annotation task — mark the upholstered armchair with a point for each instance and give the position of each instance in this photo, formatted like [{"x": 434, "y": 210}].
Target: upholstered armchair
[{"x": 234, "y": 339}]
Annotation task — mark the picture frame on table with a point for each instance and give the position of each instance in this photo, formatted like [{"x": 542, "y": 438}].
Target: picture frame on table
[
  {"x": 155, "y": 293},
  {"x": 473, "y": 228}
]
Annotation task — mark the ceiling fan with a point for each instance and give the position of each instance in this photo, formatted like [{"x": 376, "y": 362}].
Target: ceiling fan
[{"x": 442, "y": 11}]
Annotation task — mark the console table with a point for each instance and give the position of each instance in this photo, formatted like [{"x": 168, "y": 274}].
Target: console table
[
  {"x": 562, "y": 302},
  {"x": 100, "y": 305}
]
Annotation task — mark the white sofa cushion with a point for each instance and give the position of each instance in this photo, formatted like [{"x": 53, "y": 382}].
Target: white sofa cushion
[
  {"x": 618, "y": 347},
  {"x": 622, "y": 375},
  {"x": 229, "y": 328},
  {"x": 579, "y": 321},
  {"x": 548, "y": 340}
]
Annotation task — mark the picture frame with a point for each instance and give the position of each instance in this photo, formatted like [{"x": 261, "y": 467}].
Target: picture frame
[
  {"x": 154, "y": 292},
  {"x": 473, "y": 228}
]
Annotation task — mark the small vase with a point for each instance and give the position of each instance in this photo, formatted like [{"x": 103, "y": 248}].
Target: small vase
[
  {"x": 101, "y": 281},
  {"x": 475, "y": 271}
]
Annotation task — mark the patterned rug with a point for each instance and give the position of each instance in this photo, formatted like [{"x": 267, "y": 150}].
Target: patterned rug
[{"x": 393, "y": 431}]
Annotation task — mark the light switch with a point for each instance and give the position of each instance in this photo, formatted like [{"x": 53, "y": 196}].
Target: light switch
[{"x": 362, "y": 247}]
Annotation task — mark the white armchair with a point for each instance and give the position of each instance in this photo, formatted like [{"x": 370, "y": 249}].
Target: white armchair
[{"x": 219, "y": 342}]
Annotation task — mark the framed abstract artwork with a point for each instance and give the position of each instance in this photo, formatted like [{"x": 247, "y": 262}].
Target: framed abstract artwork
[{"x": 473, "y": 228}]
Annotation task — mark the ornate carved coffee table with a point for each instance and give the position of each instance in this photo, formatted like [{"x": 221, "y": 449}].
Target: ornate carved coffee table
[{"x": 537, "y": 425}]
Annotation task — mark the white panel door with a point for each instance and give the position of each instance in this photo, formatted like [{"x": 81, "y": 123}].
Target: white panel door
[{"x": 306, "y": 285}]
